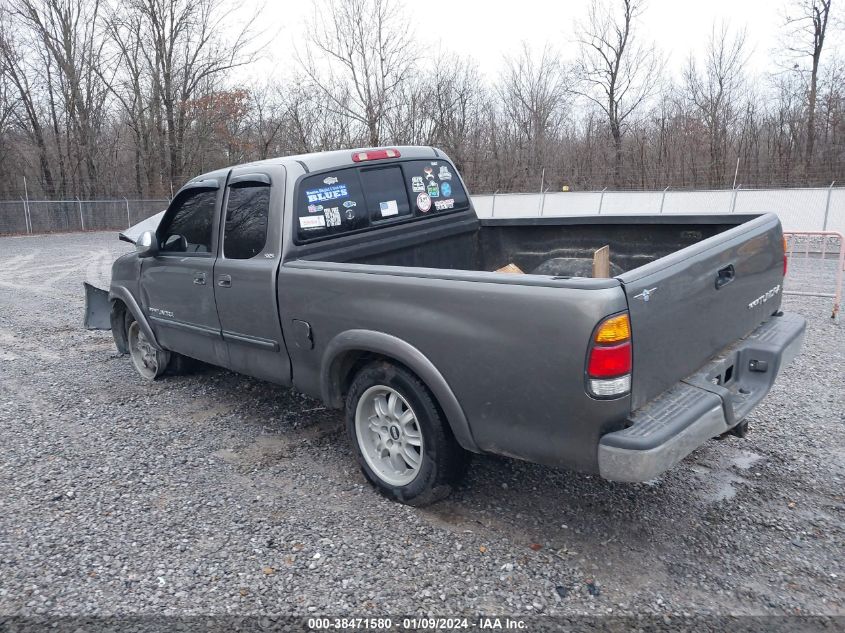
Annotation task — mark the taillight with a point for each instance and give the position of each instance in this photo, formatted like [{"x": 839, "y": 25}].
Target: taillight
[
  {"x": 785, "y": 258},
  {"x": 375, "y": 154},
  {"x": 609, "y": 362}
]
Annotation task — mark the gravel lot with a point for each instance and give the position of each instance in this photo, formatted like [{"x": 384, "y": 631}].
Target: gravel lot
[{"x": 218, "y": 494}]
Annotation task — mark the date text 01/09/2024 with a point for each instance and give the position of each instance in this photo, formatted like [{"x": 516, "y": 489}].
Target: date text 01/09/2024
[{"x": 445, "y": 624}]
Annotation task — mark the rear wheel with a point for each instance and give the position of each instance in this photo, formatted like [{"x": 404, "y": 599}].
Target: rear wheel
[
  {"x": 400, "y": 437},
  {"x": 149, "y": 361}
]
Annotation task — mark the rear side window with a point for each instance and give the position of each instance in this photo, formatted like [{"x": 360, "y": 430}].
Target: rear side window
[
  {"x": 434, "y": 187},
  {"x": 190, "y": 227},
  {"x": 367, "y": 196},
  {"x": 247, "y": 211},
  {"x": 385, "y": 193},
  {"x": 330, "y": 203}
]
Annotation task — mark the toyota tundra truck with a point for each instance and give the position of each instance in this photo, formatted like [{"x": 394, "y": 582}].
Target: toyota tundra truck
[{"x": 365, "y": 279}]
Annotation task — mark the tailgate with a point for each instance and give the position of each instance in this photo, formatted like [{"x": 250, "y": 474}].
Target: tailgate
[{"x": 687, "y": 306}]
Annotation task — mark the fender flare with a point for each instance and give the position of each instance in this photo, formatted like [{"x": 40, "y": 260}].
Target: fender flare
[
  {"x": 122, "y": 294},
  {"x": 402, "y": 351}
]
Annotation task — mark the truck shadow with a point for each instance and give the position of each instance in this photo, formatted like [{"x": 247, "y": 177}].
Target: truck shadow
[{"x": 531, "y": 506}]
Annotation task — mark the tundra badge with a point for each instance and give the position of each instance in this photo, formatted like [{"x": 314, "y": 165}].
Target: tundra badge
[{"x": 763, "y": 298}]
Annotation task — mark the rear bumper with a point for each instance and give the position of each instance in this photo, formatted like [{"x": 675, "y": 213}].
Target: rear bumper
[{"x": 710, "y": 402}]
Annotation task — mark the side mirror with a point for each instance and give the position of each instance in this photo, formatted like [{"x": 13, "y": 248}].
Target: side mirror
[{"x": 147, "y": 244}]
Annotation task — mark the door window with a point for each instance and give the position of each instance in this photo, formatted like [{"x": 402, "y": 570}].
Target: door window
[
  {"x": 247, "y": 211},
  {"x": 189, "y": 230}
]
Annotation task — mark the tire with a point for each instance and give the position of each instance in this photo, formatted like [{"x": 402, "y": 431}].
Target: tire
[
  {"x": 175, "y": 364},
  {"x": 400, "y": 437},
  {"x": 149, "y": 362}
]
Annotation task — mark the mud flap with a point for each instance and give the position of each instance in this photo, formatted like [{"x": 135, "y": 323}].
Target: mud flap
[{"x": 97, "y": 308}]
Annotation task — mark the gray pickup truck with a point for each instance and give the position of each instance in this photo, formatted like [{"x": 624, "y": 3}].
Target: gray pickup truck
[{"x": 364, "y": 278}]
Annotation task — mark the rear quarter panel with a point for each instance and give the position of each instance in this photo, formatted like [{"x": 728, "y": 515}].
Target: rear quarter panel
[{"x": 512, "y": 354}]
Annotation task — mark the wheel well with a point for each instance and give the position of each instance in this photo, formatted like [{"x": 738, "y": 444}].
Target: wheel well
[
  {"x": 350, "y": 364},
  {"x": 354, "y": 361},
  {"x": 341, "y": 372}
]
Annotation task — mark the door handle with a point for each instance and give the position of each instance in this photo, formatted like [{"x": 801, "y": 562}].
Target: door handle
[
  {"x": 725, "y": 276},
  {"x": 199, "y": 279},
  {"x": 224, "y": 281}
]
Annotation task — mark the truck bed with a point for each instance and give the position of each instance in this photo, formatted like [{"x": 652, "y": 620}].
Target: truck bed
[
  {"x": 669, "y": 269},
  {"x": 559, "y": 247}
]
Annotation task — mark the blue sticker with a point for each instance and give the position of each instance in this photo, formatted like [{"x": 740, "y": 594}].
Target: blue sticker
[
  {"x": 350, "y": 203},
  {"x": 325, "y": 194},
  {"x": 446, "y": 189}
]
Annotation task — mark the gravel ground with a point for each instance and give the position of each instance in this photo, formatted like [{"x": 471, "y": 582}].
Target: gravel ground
[{"x": 218, "y": 494}]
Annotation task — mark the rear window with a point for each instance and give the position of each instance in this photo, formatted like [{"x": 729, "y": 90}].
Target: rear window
[
  {"x": 362, "y": 197},
  {"x": 434, "y": 187},
  {"x": 387, "y": 199},
  {"x": 331, "y": 203}
]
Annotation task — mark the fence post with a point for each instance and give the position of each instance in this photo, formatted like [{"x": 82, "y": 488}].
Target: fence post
[
  {"x": 733, "y": 199},
  {"x": 663, "y": 199},
  {"x": 26, "y": 212},
  {"x": 128, "y": 219},
  {"x": 601, "y": 200},
  {"x": 542, "y": 184},
  {"x": 26, "y": 216},
  {"x": 493, "y": 208},
  {"x": 543, "y": 202},
  {"x": 81, "y": 219},
  {"x": 827, "y": 209}
]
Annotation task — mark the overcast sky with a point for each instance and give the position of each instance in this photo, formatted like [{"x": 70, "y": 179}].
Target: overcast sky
[{"x": 485, "y": 29}]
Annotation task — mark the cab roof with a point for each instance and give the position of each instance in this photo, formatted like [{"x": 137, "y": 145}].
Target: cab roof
[{"x": 318, "y": 161}]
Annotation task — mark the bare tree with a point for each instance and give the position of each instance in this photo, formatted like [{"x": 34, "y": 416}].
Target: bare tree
[
  {"x": 616, "y": 71},
  {"x": 358, "y": 55},
  {"x": 64, "y": 32},
  {"x": 714, "y": 89},
  {"x": 184, "y": 46},
  {"x": 807, "y": 22},
  {"x": 535, "y": 100},
  {"x": 29, "y": 115}
]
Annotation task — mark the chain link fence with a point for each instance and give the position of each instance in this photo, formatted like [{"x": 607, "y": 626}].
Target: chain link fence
[
  {"x": 51, "y": 216},
  {"x": 807, "y": 209}
]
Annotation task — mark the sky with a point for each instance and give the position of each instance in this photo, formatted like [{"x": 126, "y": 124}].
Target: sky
[{"x": 487, "y": 29}]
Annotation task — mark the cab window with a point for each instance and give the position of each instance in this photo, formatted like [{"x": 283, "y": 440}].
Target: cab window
[
  {"x": 190, "y": 226},
  {"x": 330, "y": 203},
  {"x": 434, "y": 187},
  {"x": 386, "y": 196},
  {"x": 247, "y": 212}
]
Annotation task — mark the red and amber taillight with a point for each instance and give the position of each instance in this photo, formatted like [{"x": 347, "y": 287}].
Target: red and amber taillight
[{"x": 609, "y": 361}]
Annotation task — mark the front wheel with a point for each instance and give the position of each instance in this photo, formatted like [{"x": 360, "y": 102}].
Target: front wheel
[
  {"x": 149, "y": 361},
  {"x": 401, "y": 439}
]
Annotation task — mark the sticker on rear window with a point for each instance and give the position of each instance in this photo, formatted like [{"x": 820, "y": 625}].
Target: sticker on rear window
[
  {"x": 444, "y": 174},
  {"x": 312, "y": 222},
  {"x": 433, "y": 189},
  {"x": 324, "y": 194},
  {"x": 446, "y": 189},
  {"x": 388, "y": 208},
  {"x": 417, "y": 184},
  {"x": 332, "y": 217},
  {"x": 442, "y": 205},
  {"x": 423, "y": 202}
]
